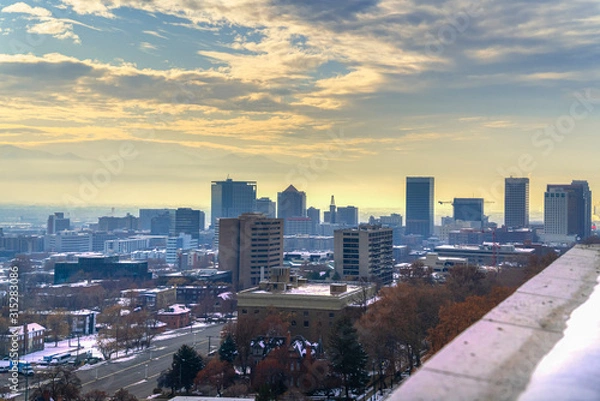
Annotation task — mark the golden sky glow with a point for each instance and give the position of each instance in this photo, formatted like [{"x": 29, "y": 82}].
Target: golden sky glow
[{"x": 335, "y": 97}]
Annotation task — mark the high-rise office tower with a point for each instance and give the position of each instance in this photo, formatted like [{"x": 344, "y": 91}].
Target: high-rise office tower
[
  {"x": 291, "y": 203},
  {"x": 162, "y": 224},
  {"x": 556, "y": 211},
  {"x": 419, "y": 205},
  {"x": 575, "y": 200},
  {"x": 266, "y": 206},
  {"x": 57, "y": 223},
  {"x": 189, "y": 221},
  {"x": 516, "y": 202},
  {"x": 250, "y": 246},
  {"x": 364, "y": 252},
  {"x": 315, "y": 217},
  {"x": 332, "y": 211},
  {"x": 347, "y": 216},
  {"x": 468, "y": 209},
  {"x": 146, "y": 216},
  {"x": 232, "y": 198}
]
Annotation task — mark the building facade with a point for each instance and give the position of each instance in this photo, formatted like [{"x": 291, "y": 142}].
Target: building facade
[
  {"x": 249, "y": 246},
  {"x": 146, "y": 216},
  {"x": 347, "y": 216},
  {"x": 311, "y": 308},
  {"x": 267, "y": 207},
  {"x": 419, "y": 206},
  {"x": 568, "y": 210},
  {"x": 57, "y": 223},
  {"x": 291, "y": 203},
  {"x": 516, "y": 202},
  {"x": 365, "y": 252},
  {"x": 98, "y": 268},
  {"x": 232, "y": 198},
  {"x": 468, "y": 209},
  {"x": 189, "y": 221},
  {"x": 314, "y": 215}
]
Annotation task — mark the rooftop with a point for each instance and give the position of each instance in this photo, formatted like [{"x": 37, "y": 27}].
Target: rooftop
[
  {"x": 320, "y": 289},
  {"x": 541, "y": 343}
]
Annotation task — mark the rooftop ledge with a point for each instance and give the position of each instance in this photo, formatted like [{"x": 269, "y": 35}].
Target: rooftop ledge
[{"x": 541, "y": 343}]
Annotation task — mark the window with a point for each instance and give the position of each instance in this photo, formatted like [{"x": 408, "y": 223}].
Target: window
[
  {"x": 244, "y": 311},
  {"x": 306, "y": 323}
]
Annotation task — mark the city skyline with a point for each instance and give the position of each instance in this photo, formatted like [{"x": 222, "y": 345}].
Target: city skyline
[{"x": 146, "y": 104}]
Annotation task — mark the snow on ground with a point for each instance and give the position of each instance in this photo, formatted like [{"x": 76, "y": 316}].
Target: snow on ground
[
  {"x": 124, "y": 359},
  {"x": 88, "y": 343}
]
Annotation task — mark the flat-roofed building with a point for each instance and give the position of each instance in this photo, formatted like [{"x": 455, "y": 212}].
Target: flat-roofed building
[
  {"x": 98, "y": 268},
  {"x": 365, "y": 252},
  {"x": 486, "y": 254},
  {"x": 311, "y": 307},
  {"x": 249, "y": 246}
]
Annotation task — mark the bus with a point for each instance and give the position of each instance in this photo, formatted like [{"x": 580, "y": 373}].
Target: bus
[{"x": 60, "y": 359}]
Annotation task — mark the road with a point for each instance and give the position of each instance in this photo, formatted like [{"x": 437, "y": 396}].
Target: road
[{"x": 138, "y": 373}]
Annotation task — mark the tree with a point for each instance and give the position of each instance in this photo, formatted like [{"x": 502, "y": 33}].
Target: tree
[
  {"x": 61, "y": 382},
  {"x": 167, "y": 379},
  {"x": 347, "y": 356},
  {"x": 57, "y": 325},
  {"x": 228, "y": 349},
  {"x": 457, "y": 317},
  {"x": 218, "y": 374},
  {"x": 123, "y": 395},
  {"x": 243, "y": 331},
  {"x": 185, "y": 366},
  {"x": 272, "y": 372},
  {"x": 465, "y": 281},
  {"x": 95, "y": 395}
]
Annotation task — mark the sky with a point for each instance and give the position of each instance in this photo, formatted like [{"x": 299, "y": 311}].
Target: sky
[{"x": 145, "y": 102}]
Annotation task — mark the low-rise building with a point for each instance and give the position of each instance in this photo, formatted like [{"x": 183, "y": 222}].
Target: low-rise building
[
  {"x": 175, "y": 316},
  {"x": 29, "y": 338},
  {"x": 312, "y": 307},
  {"x": 152, "y": 298},
  {"x": 98, "y": 268},
  {"x": 486, "y": 254},
  {"x": 440, "y": 264}
]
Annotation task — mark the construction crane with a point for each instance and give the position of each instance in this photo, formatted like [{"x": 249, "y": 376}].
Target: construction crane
[{"x": 452, "y": 202}]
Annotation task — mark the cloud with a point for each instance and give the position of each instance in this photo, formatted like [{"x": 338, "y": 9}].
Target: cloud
[
  {"x": 23, "y": 8},
  {"x": 56, "y": 28},
  {"x": 154, "y": 33},
  {"x": 43, "y": 22},
  {"x": 93, "y": 7}
]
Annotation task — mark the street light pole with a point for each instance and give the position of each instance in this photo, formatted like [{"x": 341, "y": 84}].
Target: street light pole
[{"x": 146, "y": 375}]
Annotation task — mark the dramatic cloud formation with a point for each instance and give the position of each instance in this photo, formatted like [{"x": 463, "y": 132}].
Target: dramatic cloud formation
[{"x": 453, "y": 88}]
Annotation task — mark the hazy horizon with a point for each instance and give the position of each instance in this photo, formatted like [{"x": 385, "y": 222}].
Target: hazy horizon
[{"x": 145, "y": 102}]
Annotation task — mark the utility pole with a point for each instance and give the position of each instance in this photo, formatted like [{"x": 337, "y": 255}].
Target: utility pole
[{"x": 209, "y": 337}]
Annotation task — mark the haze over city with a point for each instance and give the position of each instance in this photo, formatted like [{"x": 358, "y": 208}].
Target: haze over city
[{"x": 343, "y": 97}]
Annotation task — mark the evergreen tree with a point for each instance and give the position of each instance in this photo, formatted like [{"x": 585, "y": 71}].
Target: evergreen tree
[
  {"x": 228, "y": 350},
  {"x": 185, "y": 366},
  {"x": 347, "y": 356}
]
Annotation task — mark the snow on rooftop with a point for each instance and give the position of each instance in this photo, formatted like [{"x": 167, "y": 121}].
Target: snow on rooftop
[
  {"x": 310, "y": 289},
  {"x": 174, "y": 310},
  {"x": 570, "y": 370}
]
